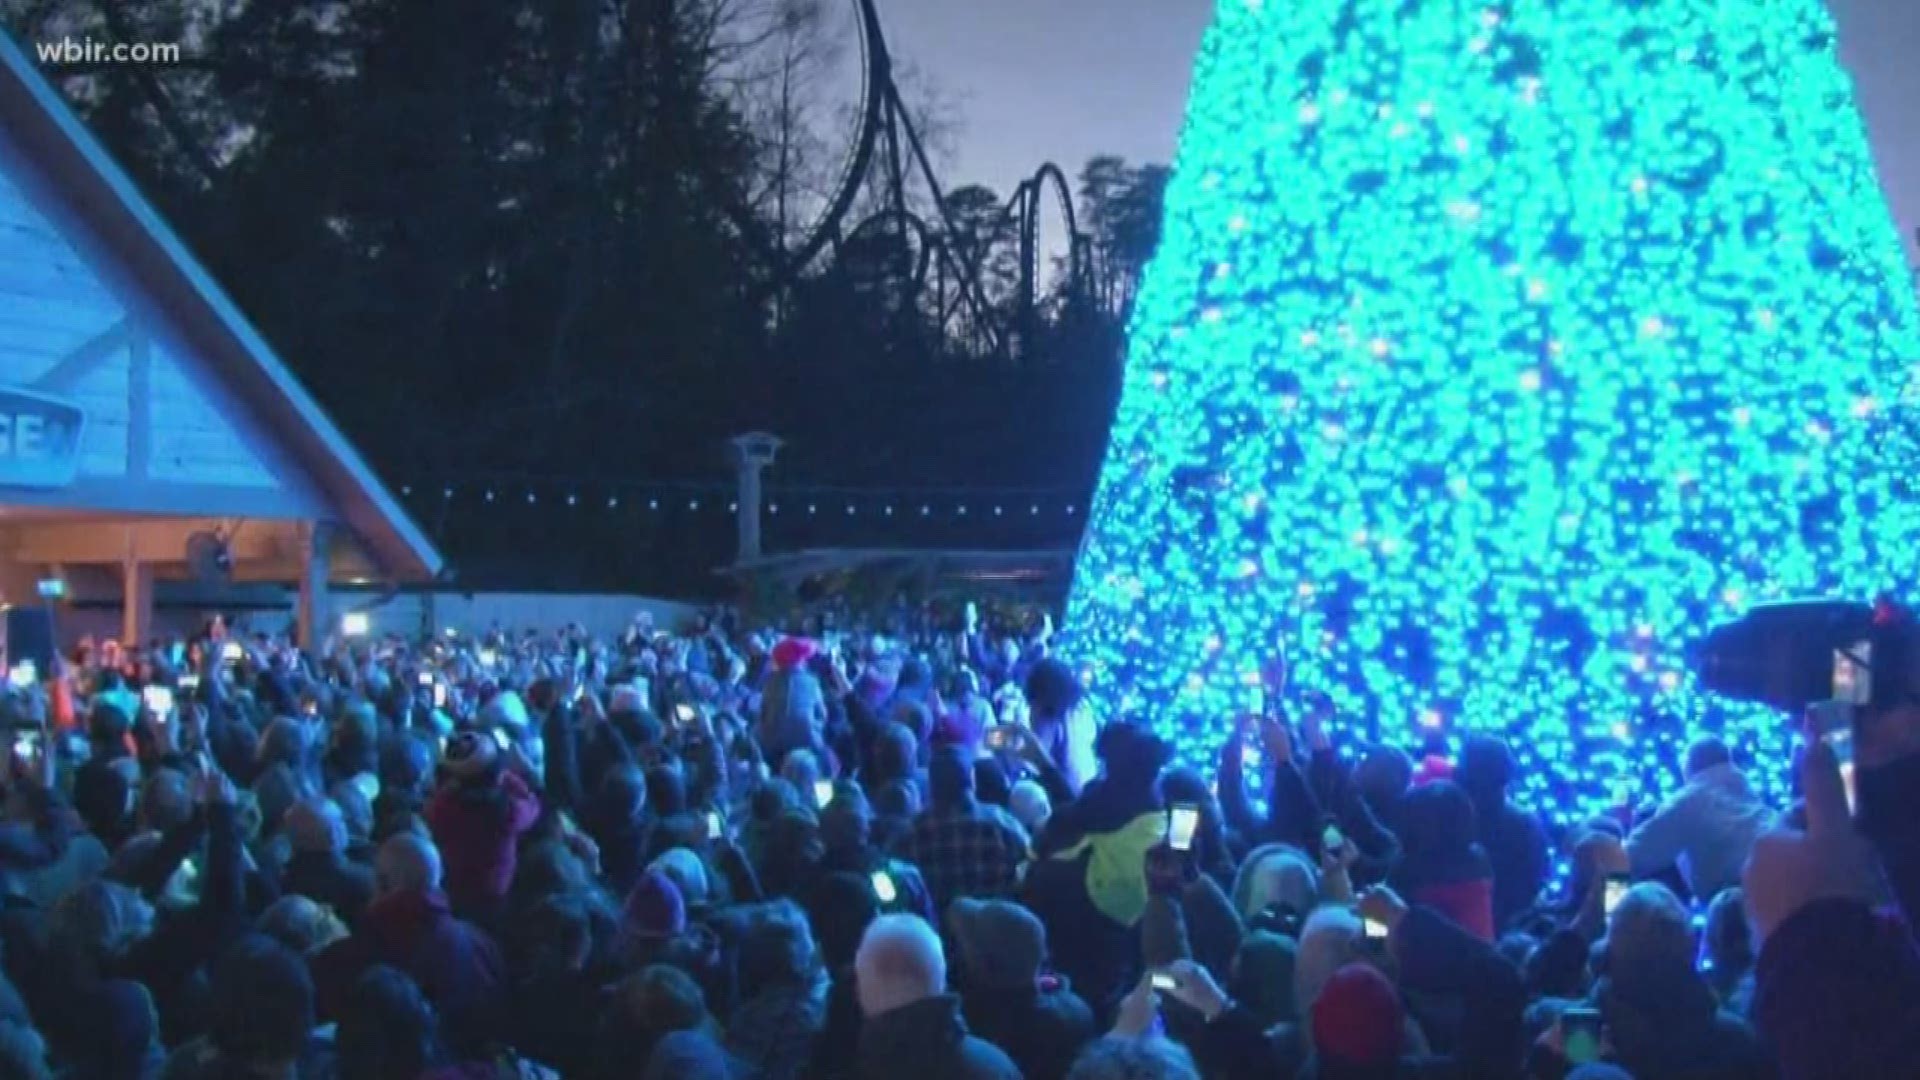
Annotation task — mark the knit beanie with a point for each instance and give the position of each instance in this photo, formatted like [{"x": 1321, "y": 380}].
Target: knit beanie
[
  {"x": 1002, "y": 944},
  {"x": 655, "y": 909},
  {"x": 1358, "y": 1019},
  {"x": 688, "y": 874}
]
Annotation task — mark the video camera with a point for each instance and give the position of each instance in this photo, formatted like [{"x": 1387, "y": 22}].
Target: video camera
[{"x": 1797, "y": 654}]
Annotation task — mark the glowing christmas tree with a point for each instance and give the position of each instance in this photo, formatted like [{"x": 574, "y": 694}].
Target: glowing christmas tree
[{"x": 1492, "y": 353}]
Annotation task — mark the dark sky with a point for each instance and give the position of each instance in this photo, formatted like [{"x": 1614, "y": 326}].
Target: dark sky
[{"x": 1063, "y": 80}]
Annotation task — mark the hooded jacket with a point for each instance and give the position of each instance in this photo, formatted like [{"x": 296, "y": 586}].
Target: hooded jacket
[{"x": 479, "y": 840}]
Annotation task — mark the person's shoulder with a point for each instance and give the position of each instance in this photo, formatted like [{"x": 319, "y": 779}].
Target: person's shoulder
[{"x": 982, "y": 1060}]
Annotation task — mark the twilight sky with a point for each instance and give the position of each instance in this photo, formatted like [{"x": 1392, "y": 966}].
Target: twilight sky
[{"x": 1063, "y": 80}]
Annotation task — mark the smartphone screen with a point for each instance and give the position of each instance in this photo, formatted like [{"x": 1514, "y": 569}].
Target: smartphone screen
[
  {"x": 1331, "y": 839},
  {"x": 426, "y": 678},
  {"x": 1164, "y": 981},
  {"x": 1580, "y": 1035},
  {"x": 715, "y": 827},
  {"x": 1256, "y": 703},
  {"x": 883, "y": 889},
  {"x": 684, "y": 714},
  {"x": 439, "y": 695},
  {"x": 1374, "y": 929},
  {"x": 1832, "y": 723},
  {"x": 501, "y": 740},
  {"x": 24, "y": 674},
  {"x": 1181, "y": 823},
  {"x": 159, "y": 701},
  {"x": 231, "y": 652},
  {"x": 1853, "y": 673},
  {"x": 822, "y": 793},
  {"x": 997, "y": 738},
  {"x": 26, "y": 747},
  {"x": 189, "y": 683},
  {"x": 1616, "y": 891}
]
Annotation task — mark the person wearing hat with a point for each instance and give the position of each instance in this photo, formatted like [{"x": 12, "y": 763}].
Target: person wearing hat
[
  {"x": 793, "y": 709},
  {"x": 477, "y": 816},
  {"x": 1006, "y": 994}
]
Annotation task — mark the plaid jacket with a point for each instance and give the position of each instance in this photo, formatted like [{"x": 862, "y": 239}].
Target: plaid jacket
[{"x": 973, "y": 851}]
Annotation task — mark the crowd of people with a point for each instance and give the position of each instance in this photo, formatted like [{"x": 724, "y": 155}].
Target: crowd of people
[{"x": 711, "y": 852}]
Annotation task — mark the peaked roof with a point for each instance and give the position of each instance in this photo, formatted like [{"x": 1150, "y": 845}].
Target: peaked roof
[{"x": 103, "y": 196}]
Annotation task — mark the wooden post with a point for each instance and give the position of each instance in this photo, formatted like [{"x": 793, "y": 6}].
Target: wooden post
[
  {"x": 136, "y": 593},
  {"x": 315, "y": 541}
]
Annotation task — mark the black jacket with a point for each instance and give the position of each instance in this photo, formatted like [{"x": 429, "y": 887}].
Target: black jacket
[
  {"x": 1042, "y": 1027},
  {"x": 928, "y": 1040}
]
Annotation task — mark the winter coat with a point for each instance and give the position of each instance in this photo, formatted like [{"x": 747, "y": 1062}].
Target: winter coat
[
  {"x": 1706, "y": 829},
  {"x": 458, "y": 967},
  {"x": 478, "y": 837},
  {"x": 1041, "y": 1027},
  {"x": 928, "y": 1040}
]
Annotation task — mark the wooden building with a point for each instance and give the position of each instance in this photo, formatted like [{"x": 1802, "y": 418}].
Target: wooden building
[{"x": 139, "y": 409}]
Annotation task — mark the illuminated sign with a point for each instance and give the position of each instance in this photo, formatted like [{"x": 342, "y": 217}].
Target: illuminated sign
[{"x": 39, "y": 439}]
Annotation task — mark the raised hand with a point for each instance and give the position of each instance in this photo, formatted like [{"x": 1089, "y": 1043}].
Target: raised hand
[
  {"x": 1138, "y": 1011},
  {"x": 1194, "y": 987},
  {"x": 1789, "y": 870}
]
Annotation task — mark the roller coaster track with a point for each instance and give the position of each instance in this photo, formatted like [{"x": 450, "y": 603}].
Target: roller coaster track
[{"x": 887, "y": 143}]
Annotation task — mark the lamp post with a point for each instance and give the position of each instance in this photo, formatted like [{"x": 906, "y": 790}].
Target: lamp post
[{"x": 752, "y": 453}]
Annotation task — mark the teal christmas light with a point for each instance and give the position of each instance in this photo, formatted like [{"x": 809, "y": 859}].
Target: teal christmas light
[{"x": 1492, "y": 353}]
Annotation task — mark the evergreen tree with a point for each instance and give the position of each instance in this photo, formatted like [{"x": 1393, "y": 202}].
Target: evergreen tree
[{"x": 1492, "y": 352}]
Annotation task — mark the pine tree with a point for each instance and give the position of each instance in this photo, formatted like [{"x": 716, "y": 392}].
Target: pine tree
[{"x": 1494, "y": 351}]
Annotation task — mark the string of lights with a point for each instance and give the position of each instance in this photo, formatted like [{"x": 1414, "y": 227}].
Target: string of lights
[
  {"x": 663, "y": 496},
  {"x": 1491, "y": 354}
]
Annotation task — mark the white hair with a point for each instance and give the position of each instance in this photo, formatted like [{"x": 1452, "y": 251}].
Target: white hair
[{"x": 900, "y": 962}]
